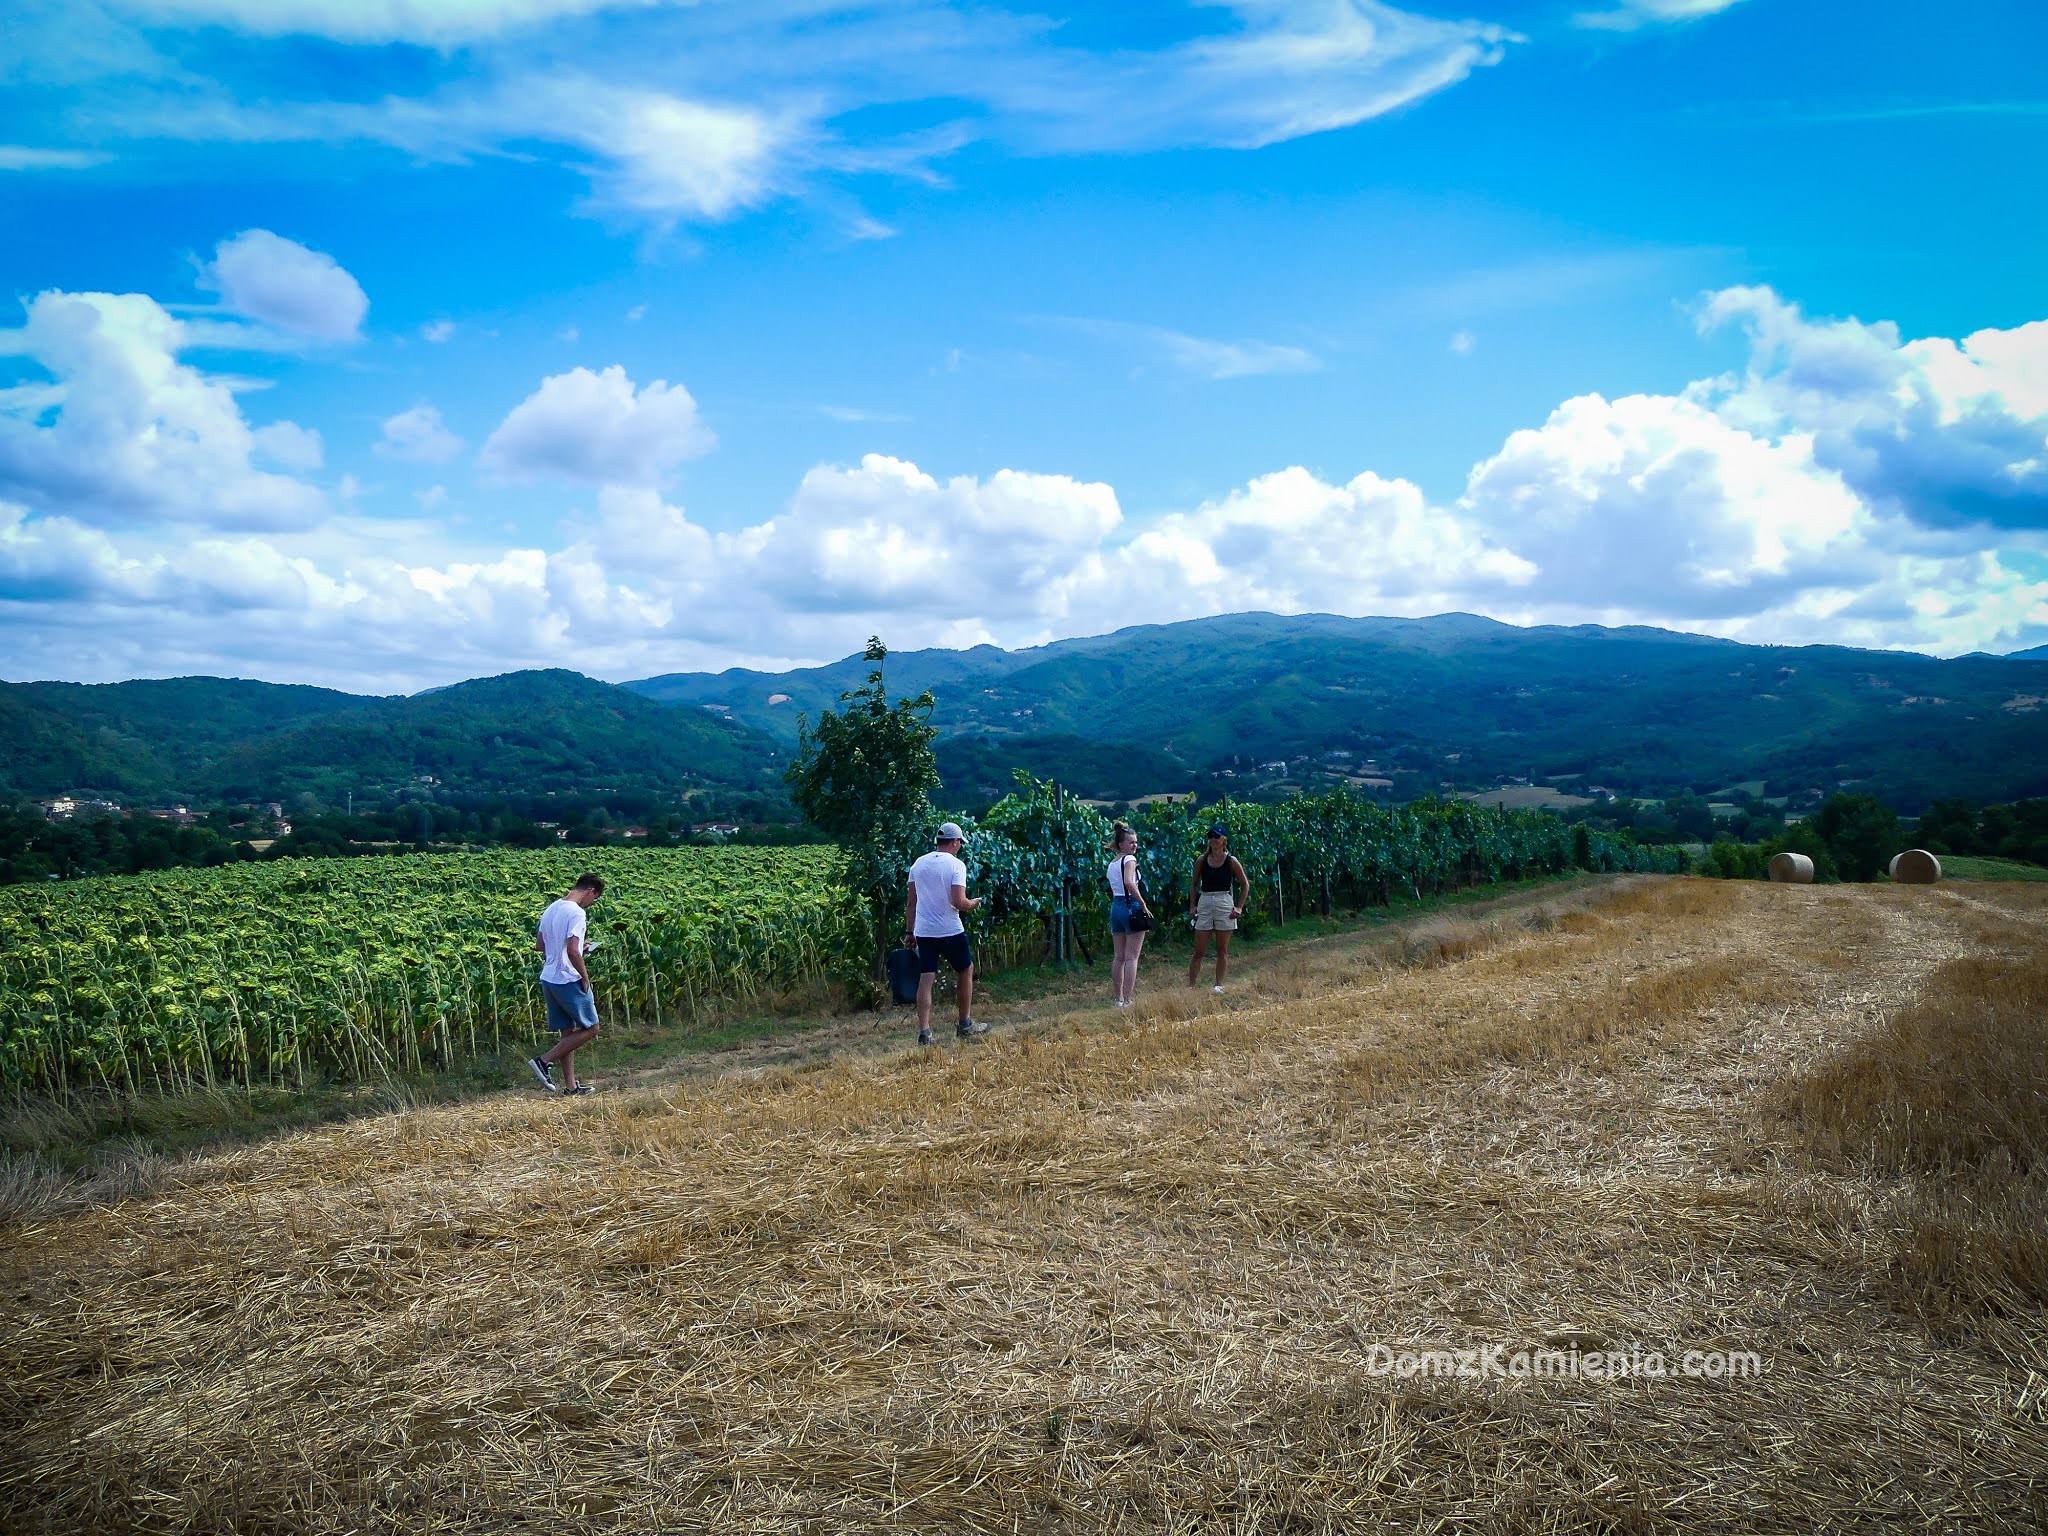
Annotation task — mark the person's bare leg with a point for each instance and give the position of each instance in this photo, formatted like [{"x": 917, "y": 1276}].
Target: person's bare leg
[
  {"x": 924, "y": 1000},
  {"x": 963, "y": 982},
  {"x": 564, "y": 1051},
  {"x": 1222, "y": 955},
  {"x": 1119, "y": 944},
  {"x": 1131, "y": 967},
  {"x": 1195, "y": 965}
]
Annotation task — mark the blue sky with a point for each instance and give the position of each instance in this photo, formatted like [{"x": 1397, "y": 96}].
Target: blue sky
[{"x": 379, "y": 343}]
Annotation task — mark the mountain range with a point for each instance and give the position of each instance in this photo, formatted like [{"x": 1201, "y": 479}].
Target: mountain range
[
  {"x": 1456, "y": 698},
  {"x": 1245, "y": 703}
]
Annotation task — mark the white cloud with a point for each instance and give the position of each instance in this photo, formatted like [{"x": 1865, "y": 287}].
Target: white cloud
[
  {"x": 1628, "y": 15},
  {"x": 134, "y": 434},
  {"x": 289, "y": 445},
  {"x": 369, "y": 21},
  {"x": 1463, "y": 343},
  {"x": 437, "y": 330},
  {"x": 23, "y": 157},
  {"x": 1655, "y": 504},
  {"x": 432, "y": 498},
  {"x": 1292, "y": 543},
  {"x": 669, "y": 156},
  {"x": 1949, "y": 434},
  {"x": 597, "y": 427},
  {"x": 1737, "y": 507},
  {"x": 419, "y": 436},
  {"x": 282, "y": 283}
]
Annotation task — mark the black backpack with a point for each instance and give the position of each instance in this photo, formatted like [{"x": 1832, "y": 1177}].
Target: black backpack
[{"x": 903, "y": 970}]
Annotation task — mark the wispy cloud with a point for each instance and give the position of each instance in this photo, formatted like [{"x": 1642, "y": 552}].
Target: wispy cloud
[
  {"x": 849, "y": 413},
  {"x": 1549, "y": 280},
  {"x": 1204, "y": 356},
  {"x": 438, "y": 22},
  {"x": 1907, "y": 113},
  {"x": 23, "y": 157},
  {"x": 1628, "y": 15},
  {"x": 702, "y": 112}
]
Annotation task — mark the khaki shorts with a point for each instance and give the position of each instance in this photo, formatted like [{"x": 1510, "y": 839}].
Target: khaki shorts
[{"x": 1212, "y": 912}]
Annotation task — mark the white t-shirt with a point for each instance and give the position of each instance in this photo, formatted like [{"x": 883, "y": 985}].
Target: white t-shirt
[
  {"x": 563, "y": 920},
  {"x": 933, "y": 877}
]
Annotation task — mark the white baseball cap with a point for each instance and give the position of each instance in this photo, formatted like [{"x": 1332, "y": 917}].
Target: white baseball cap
[{"x": 949, "y": 832}]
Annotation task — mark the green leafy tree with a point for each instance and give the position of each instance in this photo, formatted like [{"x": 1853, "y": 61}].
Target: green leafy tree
[
  {"x": 1861, "y": 834},
  {"x": 864, "y": 775}
]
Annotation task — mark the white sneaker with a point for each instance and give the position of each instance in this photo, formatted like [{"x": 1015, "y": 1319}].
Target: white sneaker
[{"x": 1217, "y": 989}]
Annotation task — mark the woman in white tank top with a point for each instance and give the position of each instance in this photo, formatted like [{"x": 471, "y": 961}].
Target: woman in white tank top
[{"x": 1125, "y": 898}]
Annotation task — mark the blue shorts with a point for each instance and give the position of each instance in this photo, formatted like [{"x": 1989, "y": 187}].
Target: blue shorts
[
  {"x": 1120, "y": 910},
  {"x": 954, "y": 946},
  {"x": 569, "y": 1006}
]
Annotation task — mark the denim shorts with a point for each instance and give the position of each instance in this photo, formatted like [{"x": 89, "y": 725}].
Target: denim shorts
[
  {"x": 1120, "y": 910},
  {"x": 569, "y": 1006}
]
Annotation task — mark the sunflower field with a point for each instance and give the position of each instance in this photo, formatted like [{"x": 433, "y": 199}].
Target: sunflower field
[{"x": 363, "y": 968}]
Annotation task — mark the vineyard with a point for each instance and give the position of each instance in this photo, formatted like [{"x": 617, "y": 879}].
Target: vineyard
[{"x": 283, "y": 972}]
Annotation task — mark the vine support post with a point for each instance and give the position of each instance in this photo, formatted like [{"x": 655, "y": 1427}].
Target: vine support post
[{"x": 1059, "y": 917}]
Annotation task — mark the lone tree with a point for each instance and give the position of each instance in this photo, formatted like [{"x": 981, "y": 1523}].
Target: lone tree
[{"x": 864, "y": 775}]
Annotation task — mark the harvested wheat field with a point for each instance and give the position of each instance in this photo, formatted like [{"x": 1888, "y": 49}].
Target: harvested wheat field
[{"x": 1141, "y": 1272}]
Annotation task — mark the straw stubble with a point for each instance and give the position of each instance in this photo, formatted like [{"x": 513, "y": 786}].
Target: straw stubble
[{"x": 1094, "y": 1275}]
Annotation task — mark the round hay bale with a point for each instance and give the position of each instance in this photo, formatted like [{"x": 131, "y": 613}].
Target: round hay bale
[
  {"x": 1791, "y": 869},
  {"x": 1916, "y": 866}
]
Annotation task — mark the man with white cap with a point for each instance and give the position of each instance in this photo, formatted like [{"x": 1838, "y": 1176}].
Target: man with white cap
[{"x": 932, "y": 926}]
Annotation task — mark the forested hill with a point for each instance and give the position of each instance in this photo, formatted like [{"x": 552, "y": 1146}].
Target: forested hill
[
  {"x": 1465, "y": 699},
  {"x": 217, "y": 739},
  {"x": 1247, "y": 703}
]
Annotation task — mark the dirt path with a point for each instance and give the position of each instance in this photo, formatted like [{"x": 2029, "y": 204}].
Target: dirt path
[{"x": 1100, "y": 1272}]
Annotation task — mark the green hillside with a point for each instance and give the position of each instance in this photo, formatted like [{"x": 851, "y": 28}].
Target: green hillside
[
  {"x": 209, "y": 739},
  {"x": 1473, "y": 701},
  {"x": 151, "y": 737},
  {"x": 1244, "y": 704}
]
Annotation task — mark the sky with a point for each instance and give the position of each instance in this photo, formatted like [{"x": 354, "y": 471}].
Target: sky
[{"x": 383, "y": 343}]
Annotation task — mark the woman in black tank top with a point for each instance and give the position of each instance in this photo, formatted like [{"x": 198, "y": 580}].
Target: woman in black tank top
[{"x": 1213, "y": 905}]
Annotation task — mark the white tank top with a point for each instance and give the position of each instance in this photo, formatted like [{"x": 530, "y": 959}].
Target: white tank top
[{"x": 1116, "y": 875}]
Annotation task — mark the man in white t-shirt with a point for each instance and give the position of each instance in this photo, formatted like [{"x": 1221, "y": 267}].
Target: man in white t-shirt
[
  {"x": 565, "y": 983},
  {"x": 932, "y": 926}
]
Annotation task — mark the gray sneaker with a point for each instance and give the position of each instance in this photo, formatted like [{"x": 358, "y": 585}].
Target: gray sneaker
[
  {"x": 926, "y": 1037},
  {"x": 967, "y": 1029},
  {"x": 544, "y": 1072}
]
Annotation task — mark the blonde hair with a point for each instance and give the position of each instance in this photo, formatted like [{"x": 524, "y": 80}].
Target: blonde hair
[{"x": 1118, "y": 833}]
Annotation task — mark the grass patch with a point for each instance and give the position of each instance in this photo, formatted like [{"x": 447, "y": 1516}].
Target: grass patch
[{"x": 1965, "y": 867}]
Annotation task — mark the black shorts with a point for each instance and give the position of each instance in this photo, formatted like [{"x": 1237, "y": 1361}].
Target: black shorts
[{"x": 953, "y": 946}]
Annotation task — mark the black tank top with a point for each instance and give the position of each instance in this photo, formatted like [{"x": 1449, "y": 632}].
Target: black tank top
[{"x": 1215, "y": 877}]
